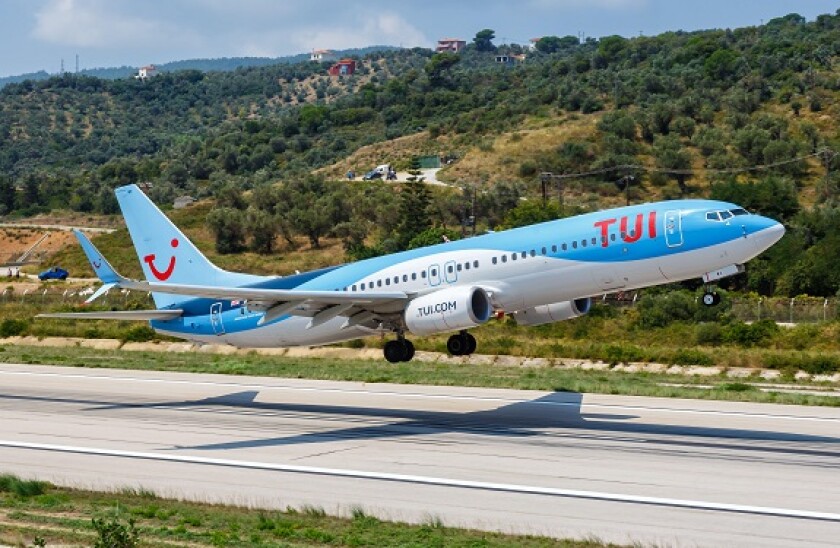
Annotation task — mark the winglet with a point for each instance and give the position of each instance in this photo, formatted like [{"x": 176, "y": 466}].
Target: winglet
[{"x": 101, "y": 267}]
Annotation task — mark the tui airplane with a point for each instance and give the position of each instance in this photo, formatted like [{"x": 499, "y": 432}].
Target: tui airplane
[{"x": 538, "y": 274}]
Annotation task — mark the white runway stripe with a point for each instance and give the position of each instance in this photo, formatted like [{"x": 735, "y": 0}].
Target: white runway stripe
[{"x": 428, "y": 480}]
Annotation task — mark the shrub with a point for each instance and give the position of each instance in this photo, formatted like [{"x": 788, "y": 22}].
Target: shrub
[
  {"x": 708, "y": 334},
  {"x": 11, "y": 327},
  {"x": 113, "y": 533},
  {"x": 139, "y": 333}
]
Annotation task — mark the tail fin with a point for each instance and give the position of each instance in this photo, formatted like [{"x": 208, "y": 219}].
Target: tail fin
[
  {"x": 101, "y": 267},
  {"x": 166, "y": 255}
]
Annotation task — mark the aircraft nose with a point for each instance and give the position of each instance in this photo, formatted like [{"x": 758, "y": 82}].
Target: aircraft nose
[{"x": 770, "y": 233}]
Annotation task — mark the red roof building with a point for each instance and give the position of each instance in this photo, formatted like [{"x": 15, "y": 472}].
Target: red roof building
[
  {"x": 345, "y": 67},
  {"x": 453, "y": 45}
]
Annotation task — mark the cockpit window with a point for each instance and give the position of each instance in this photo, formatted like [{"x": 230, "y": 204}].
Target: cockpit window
[
  {"x": 725, "y": 215},
  {"x": 712, "y": 216},
  {"x": 739, "y": 211}
]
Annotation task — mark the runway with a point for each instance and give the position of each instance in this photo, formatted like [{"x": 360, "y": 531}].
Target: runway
[{"x": 623, "y": 469}]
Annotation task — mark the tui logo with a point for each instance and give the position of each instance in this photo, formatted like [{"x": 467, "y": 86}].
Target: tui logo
[{"x": 150, "y": 260}]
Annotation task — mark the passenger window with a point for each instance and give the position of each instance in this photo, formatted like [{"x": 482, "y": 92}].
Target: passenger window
[
  {"x": 495, "y": 260},
  {"x": 594, "y": 241},
  {"x": 413, "y": 276},
  {"x": 475, "y": 264},
  {"x": 524, "y": 254},
  {"x": 513, "y": 256},
  {"x": 574, "y": 244},
  {"x": 459, "y": 267},
  {"x": 504, "y": 258},
  {"x": 405, "y": 277},
  {"x": 466, "y": 266},
  {"x": 423, "y": 274},
  {"x": 363, "y": 287},
  {"x": 434, "y": 272},
  {"x": 387, "y": 281},
  {"x": 543, "y": 251},
  {"x": 450, "y": 269},
  {"x": 564, "y": 247},
  {"x": 554, "y": 249},
  {"x": 583, "y": 243},
  {"x": 378, "y": 283},
  {"x": 612, "y": 236},
  {"x": 354, "y": 288}
]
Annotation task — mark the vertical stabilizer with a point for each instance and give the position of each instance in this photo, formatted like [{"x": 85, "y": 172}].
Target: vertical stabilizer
[{"x": 165, "y": 254}]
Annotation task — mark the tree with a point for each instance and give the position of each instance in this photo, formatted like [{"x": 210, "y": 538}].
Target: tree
[
  {"x": 228, "y": 227},
  {"x": 484, "y": 40},
  {"x": 7, "y": 195},
  {"x": 414, "y": 210},
  {"x": 439, "y": 65},
  {"x": 553, "y": 44}
]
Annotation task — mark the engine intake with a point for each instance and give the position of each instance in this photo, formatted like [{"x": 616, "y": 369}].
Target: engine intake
[
  {"x": 449, "y": 309},
  {"x": 554, "y": 312}
]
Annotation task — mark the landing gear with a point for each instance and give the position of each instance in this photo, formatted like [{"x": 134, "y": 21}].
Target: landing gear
[
  {"x": 711, "y": 298},
  {"x": 461, "y": 344},
  {"x": 400, "y": 350}
]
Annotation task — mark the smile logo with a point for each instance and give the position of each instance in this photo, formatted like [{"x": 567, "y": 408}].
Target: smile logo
[
  {"x": 150, "y": 260},
  {"x": 97, "y": 264}
]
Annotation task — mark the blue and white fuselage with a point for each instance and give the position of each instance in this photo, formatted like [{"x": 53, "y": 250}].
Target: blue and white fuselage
[{"x": 539, "y": 273}]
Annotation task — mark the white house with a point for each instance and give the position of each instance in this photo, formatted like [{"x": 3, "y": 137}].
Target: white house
[{"x": 146, "y": 72}]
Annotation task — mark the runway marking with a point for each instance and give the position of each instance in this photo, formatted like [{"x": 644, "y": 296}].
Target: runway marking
[
  {"x": 417, "y": 395},
  {"x": 429, "y": 480}
]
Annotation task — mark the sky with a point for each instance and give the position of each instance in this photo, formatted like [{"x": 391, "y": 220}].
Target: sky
[{"x": 37, "y": 34}]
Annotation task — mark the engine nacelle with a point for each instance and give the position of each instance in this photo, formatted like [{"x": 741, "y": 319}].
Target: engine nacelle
[
  {"x": 449, "y": 309},
  {"x": 554, "y": 312}
]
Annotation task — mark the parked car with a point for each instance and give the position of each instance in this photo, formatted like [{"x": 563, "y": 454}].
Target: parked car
[
  {"x": 55, "y": 273},
  {"x": 378, "y": 172}
]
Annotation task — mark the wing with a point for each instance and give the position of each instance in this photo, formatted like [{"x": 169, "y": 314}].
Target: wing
[
  {"x": 321, "y": 306},
  {"x": 116, "y": 315}
]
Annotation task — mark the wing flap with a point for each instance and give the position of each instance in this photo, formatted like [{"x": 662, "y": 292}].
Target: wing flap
[{"x": 116, "y": 315}]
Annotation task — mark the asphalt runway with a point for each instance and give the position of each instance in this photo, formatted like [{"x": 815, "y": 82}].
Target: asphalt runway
[{"x": 623, "y": 469}]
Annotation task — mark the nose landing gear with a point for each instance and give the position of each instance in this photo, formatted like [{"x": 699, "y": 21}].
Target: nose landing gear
[{"x": 711, "y": 297}]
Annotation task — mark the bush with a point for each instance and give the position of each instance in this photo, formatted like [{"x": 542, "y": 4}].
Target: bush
[
  {"x": 113, "y": 533},
  {"x": 756, "y": 334},
  {"x": 139, "y": 333},
  {"x": 708, "y": 334},
  {"x": 11, "y": 327},
  {"x": 660, "y": 310}
]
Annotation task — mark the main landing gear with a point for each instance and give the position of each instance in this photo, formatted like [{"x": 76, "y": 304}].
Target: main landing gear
[
  {"x": 461, "y": 344},
  {"x": 400, "y": 350}
]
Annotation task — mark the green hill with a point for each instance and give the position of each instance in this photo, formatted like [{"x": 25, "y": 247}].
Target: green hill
[{"x": 744, "y": 114}]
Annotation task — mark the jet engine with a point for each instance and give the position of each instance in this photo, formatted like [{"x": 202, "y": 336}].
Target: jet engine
[
  {"x": 449, "y": 309},
  {"x": 554, "y": 312}
]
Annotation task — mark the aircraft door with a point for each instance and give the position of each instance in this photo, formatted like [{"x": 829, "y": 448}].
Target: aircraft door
[
  {"x": 450, "y": 272},
  {"x": 216, "y": 319},
  {"x": 673, "y": 228},
  {"x": 434, "y": 275}
]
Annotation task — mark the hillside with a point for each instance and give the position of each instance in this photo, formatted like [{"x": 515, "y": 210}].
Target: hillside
[{"x": 746, "y": 115}]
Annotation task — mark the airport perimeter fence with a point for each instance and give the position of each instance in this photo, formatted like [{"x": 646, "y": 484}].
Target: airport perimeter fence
[{"x": 747, "y": 309}]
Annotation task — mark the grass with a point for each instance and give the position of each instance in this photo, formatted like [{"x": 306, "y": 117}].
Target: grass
[
  {"x": 65, "y": 516},
  {"x": 417, "y": 372}
]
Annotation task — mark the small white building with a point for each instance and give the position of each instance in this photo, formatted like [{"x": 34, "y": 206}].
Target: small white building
[
  {"x": 320, "y": 55},
  {"x": 146, "y": 72}
]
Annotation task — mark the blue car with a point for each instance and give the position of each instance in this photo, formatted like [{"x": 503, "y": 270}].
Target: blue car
[{"x": 55, "y": 273}]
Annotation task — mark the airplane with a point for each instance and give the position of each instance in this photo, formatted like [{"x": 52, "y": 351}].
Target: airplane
[{"x": 538, "y": 274}]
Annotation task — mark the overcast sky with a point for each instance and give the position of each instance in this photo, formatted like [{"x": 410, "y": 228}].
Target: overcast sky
[{"x": 37, "y": 34}]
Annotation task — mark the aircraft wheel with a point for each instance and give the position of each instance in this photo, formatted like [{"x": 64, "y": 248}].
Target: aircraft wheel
[
  {"x": 457, "y": 344},
  {"x": 711, "y": 299},
  {"x": 471, "y": 343},
  {"x": 394, "y": 351},
  {"x": 409, "y": 350}
]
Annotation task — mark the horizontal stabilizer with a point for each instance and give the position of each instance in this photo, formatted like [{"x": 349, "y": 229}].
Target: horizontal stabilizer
[{"x": 116, "y": 315}]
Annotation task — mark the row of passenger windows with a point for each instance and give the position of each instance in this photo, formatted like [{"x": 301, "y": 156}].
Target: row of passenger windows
[{"x": 396, "y": 280}]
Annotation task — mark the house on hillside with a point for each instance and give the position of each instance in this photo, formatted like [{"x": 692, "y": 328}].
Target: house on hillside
[
  {"x": 321, "y": 55},
  {"x": 533, "y": 43},
  {"x": 452, "y": 45},
  {"x": 510, "y": 59},
  {"x": 146, "y": 72},
  {"x": 345, "y": 67}
]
